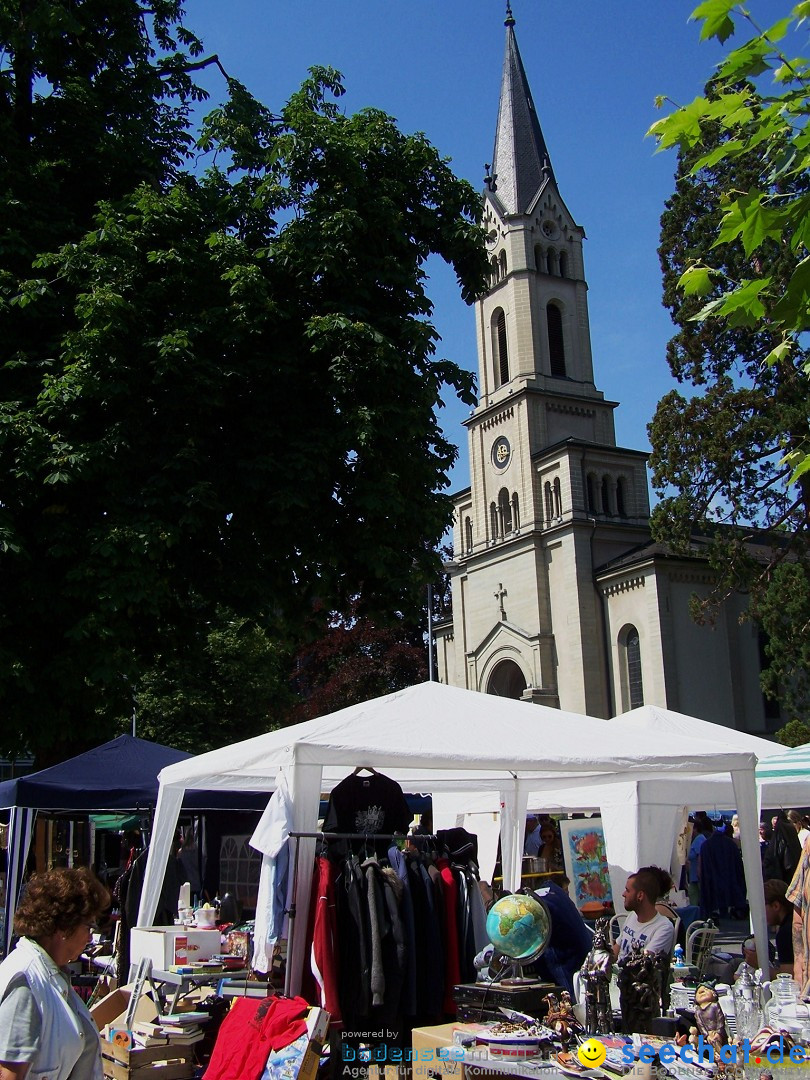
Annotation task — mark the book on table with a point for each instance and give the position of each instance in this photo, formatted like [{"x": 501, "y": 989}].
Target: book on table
[{"x": 183, "y": 1019}]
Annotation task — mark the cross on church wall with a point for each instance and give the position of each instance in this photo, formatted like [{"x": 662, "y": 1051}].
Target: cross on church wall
[{"x": 499, "y": 594}]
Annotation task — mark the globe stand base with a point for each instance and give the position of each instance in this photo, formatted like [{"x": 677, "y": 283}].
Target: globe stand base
[{"x": 515, "y": 977}]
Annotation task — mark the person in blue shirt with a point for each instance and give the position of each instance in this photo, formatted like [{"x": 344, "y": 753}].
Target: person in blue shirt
[
  {"x": 701, "y": 830},
  {"x": 570, "y": 942}
]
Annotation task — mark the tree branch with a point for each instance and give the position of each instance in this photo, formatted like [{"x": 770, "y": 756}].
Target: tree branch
[{"x": 197, "y": 66}]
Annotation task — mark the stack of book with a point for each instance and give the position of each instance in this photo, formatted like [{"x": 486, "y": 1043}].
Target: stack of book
[{"x": 174, "y": 1029}]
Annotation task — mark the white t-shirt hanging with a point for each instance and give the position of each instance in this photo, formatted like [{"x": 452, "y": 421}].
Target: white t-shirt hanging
[{"x": 272, "y": 838}]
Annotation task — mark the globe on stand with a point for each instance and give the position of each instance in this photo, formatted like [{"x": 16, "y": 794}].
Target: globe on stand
[{"x": 520, "y": 929}]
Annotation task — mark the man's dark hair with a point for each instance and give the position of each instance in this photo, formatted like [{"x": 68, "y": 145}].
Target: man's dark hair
[
  {"x": 653, "y": 881},
  {"x": 775, "y": 889}
]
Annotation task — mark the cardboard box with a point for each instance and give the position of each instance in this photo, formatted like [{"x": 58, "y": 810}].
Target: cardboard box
[
  {"x": 300, "y": 1060},
  {"x": 435, "y": 1054},
  {"x": 167, "y": 945},
  {"x": 111, "y": 1010}
]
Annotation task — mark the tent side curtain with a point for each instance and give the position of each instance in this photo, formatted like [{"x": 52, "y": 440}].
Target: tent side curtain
[
  {"x": 20, "y": 829},
  {"x": 167, "y": 812}
]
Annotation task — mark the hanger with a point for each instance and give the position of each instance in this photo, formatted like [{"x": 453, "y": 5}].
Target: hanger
[{"x": 364, "y": 768}]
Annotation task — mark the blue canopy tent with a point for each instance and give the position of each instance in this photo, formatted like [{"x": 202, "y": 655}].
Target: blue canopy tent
[{"x": 118, "y": 775}]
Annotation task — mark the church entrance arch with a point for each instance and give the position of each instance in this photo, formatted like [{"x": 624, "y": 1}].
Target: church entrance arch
[{"x": 506, "y": 680}]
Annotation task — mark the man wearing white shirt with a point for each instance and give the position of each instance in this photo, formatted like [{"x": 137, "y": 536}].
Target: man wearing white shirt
[{"x": 644, "y": 925}]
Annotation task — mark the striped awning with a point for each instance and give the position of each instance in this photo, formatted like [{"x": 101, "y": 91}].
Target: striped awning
[{"x": 794, "y": 762}]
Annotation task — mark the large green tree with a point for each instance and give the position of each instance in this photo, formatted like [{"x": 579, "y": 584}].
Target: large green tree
[
  {"x": 225, "y": 682},
  {"x": 218, "y": 387},
  {"x": 728, "y": 454}
]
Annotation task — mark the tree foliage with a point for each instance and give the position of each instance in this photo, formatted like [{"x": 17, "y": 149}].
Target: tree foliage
[
  {"x": 730, "y": 452},
  {"x": 353, "y": 660},
  {"x": 218, "y": 387},
  {"x": 227, "y": 682},
  {"x": 794, "y": 733}
]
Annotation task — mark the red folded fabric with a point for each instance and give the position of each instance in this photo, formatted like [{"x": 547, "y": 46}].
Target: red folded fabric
[{"x": 252, "y": 1028}]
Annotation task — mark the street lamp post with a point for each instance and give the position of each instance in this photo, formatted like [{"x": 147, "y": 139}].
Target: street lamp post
[{"x": 431, "y": 674}]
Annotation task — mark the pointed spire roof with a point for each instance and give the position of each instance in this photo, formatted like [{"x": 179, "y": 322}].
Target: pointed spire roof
[{"x": 520, "y": 161}]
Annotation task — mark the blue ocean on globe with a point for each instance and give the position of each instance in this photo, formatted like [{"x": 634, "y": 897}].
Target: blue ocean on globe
[{"x": 518, "y": 926}]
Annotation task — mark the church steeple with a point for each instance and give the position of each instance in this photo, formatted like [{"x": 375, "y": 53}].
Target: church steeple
[{"x": 520, "y": 162}]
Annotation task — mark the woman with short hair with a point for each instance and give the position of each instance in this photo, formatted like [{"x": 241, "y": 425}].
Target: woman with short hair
[{"x": 45, "y": 1027}]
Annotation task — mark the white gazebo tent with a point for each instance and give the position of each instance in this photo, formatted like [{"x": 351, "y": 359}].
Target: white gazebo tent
[
  {"x": 434, "y": 738},
  {"x": 647, "y": 811}
]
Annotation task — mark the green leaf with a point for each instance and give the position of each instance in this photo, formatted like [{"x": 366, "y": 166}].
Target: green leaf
[
  {"x": 779, "y": 29},
  {"x": 707, "y": 311},
  {"x": 780, "y": 352},
  {"x": 750, "y": 220},
  {"x": 716, "y": 20},
  {"x": 800, "y": 462},
  {"x": 748, "y": 61},
  {"x": 697, "y": 280},
  {"x": 792, "y": 309},
  {"x": 681, "y": 128},
  {"x": 743, "y": 306},
  {"x": 719, "y": 153}
]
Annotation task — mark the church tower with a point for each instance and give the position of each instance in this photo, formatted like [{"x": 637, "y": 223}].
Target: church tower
[{"x": 552, "y": 497}]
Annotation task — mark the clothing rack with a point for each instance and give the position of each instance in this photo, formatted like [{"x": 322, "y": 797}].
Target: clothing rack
[{"x": 297, "y": 836}]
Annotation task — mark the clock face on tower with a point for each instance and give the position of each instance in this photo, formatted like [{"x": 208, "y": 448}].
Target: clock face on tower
[{"x": 501, "y": 452}]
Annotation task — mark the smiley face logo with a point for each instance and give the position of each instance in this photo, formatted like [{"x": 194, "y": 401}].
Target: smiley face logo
[{"x": 591, "y": 1054}]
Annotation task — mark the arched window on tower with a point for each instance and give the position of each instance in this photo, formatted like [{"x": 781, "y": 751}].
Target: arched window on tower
[
  {"x": 549, "y": 502},
  {"x": 551, "y": 261},
  {"x": 556, "y": 347},
  {"x": 621, "y": 497},
  {"x": 515, "y": 512},
  {"x": 501, "y": 348},
  {"x": 468, "y": 535},
  {"x": 493, "y": 271},
  {"x": 539, "y": 259},
  {"x": 633, "y": 683},
  {"x": 591, "y": 493},
  {"x": 557, "y": 498},
  {"x": 502, "y": 263},
  {"x": 504, "y": 512},
  {"x": 563, "y": 264},
  {"x": 606, "y": 502},
  {"x": 493, "y": 521}
]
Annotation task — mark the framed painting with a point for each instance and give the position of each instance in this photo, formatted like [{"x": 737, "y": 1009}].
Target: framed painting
[{"x": 586, "y": 865}]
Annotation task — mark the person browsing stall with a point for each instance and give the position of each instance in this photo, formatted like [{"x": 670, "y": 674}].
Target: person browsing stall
[
  {"x": 45, "y": 1028},
  {"x": 550, "y": 846},
  {"x": 779, "y": 917},
  {"x": 644, "y": 925},
  {"x": 531, "y": 839}
]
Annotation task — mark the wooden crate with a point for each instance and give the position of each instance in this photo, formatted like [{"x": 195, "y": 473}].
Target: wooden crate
[{"x": 150, "y": 1063}]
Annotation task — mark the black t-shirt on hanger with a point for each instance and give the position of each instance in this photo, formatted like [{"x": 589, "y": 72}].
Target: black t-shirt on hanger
[{"x": 367, "y": 803}]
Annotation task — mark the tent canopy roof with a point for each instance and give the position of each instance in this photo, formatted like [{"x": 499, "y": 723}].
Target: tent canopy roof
[
  {"x": 118, "y": 775},
  {"x": 433, "y": 737},
  {"x": 653, "y": 718}
]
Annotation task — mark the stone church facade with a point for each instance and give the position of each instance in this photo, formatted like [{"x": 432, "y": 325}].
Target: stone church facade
[{"x": 559, "y": 594}]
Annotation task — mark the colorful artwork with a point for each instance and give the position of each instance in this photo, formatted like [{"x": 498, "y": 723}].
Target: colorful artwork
[{"x": 586, "y": 862}]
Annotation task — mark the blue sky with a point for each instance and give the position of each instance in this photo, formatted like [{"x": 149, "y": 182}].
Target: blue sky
[{"x": 595, "y": 69}]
